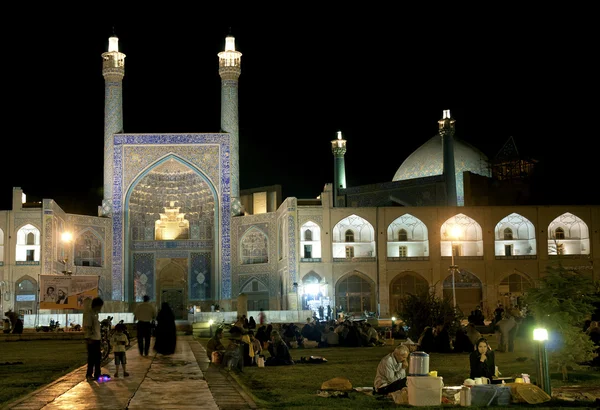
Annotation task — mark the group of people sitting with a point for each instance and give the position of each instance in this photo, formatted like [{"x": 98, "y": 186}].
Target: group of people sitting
[{"x": 245, "y": 348}]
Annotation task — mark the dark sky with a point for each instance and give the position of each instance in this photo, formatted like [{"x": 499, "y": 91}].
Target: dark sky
[{"x": 380, "y": 76}]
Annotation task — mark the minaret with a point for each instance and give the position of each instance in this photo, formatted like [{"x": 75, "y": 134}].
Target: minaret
[
  {"x": 446, "y": 126},
  {"x": 230, "y": 69},
  {"x": 113, "y": 71},
  {"x": 338, "y": 147}
]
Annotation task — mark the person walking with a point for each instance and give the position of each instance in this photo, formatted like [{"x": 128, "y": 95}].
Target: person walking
[
  {"x": 166, "y": 330},
  {"x": 144, "y": 313},
  {"x": 91, "y": 329},
  {"x": 262, "y": 317},
  {"x": 119, "y": 341}
]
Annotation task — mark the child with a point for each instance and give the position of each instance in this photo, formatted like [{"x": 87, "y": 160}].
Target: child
[{"x": 119, "y": 340}]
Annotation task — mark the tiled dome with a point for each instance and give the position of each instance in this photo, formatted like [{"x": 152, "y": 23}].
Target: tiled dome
[{"x": 427, "y": 161}]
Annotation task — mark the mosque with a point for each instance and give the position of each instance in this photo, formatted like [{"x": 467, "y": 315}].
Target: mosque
[{"x": 174, "y": 224}]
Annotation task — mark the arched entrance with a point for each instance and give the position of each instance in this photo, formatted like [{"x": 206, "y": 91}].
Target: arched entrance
[
  {"x": 26, "y": 291},
  {"x": 512, "y": 289},
  {"x": 172, "y": 287},
  {"x": 468, "y": 290},
  {"x": 354, "y": 294},
  {"x": 403, "y": 285}
]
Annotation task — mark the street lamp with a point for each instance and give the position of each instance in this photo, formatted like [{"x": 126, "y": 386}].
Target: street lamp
[
  {"x": 67, "y": 237},
  {"x": 210, "y": 323},
  {"x": 541, "y": 335},
  {"x": 454, "y": 234}
]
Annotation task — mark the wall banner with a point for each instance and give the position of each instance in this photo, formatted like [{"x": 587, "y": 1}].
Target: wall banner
[{"x": 67, "y": 292}]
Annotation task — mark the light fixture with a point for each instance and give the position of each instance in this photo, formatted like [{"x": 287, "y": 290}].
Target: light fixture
[{"x": 540, "y": 334}]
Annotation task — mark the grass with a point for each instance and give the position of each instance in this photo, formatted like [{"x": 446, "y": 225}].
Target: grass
[
  {"x": 44, "y": 361},
  {"x": 28, "y": 365},
  {"x": 297, "y": 386}
]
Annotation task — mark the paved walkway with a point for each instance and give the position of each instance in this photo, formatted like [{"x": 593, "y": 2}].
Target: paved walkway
[{"x": 184, "y": 380}]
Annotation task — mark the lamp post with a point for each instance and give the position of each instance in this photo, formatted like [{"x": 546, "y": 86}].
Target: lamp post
[
  {"x": 210, "y": 323},
  {"x": 541, "y": 336},
  {"x": 454, "y": 233},
  {"x": 67, "y": 237},
  {"x": 393, "y": 324}
]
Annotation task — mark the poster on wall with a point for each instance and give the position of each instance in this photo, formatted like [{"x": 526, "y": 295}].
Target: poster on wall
[{"x": 67, "y": 292}]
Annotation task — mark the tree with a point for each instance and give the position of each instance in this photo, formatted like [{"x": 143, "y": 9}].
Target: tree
[
  {"x": 426, "y": 309},
  {"x": 561, "y": 303}
]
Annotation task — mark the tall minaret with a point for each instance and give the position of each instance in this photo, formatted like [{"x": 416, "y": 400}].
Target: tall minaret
[
  {"x": 446, "y": 126},
  {"x": 230, "y": 69},
  {"x": 338, "y": 147},
  {"x": 113, "y": 71}
]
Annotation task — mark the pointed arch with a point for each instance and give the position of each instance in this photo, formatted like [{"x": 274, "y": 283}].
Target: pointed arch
[
  {"x": 352, "y": 237},
  {"x": 514, "y": 236},
  {"x": 27, "y": 246},
  {"x": 88, "y": 248},
  {"x": 354, "y": 291},
  {"x": 568, "y": 235},
  {"x": 310, "y": 241},
  {"x": 461, "y": 236},
  {"x": 257, "y": 293},
  {"x": 468, "y": 288},
  {"x": 170, "y": 181},
  {"x": 404, "y": 284},
  {"x": 26, "y": 295},
  {"x": 407, "y": 237},
  {"x": 254, "y": 246},
  {"x": 513, "y": 287}
]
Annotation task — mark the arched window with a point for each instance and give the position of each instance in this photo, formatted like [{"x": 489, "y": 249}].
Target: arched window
[
  {"x": 255, "y": 247},
  {"x": 349, "y": 236},
  {"x": 508, "y": 234},
  {"x": 30, "y": 239},
  {"x": 559, "y": 233},
  {"x": 402, "y": 235},
  {"x": 308, "y": 235}
]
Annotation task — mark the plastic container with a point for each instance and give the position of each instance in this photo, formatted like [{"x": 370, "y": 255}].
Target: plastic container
[
  {"x": 424, "y": 390},
  {"x": 490, "y": 395},
  {"x": 419, "y": 364}
]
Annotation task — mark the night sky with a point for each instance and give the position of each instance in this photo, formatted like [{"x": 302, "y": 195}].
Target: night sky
[{"x": 382, "y": 77}]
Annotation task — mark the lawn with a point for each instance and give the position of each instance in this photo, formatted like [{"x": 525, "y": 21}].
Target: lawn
[
  {"x": 297, "y": 386},
  {"x": 25, "y": 366}
]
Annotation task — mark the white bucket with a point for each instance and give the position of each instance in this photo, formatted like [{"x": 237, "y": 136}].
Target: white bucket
[{"x": 424, "y": 390}]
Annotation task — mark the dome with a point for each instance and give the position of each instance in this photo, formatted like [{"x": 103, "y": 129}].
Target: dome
[{"x": 427, "y": 161}]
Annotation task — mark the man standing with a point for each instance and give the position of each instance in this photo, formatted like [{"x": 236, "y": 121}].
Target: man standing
[
  {"x": 91, "y": 329},
  {"x": 144, "y": 313},
  {"x": 391, "y": 371}
]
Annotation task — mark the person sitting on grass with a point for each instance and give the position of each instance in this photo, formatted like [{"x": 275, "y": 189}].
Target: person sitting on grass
[
  {"x": 214, "y": 344},
  {"x": 482, "y": 360},
  {"x": 391, "y": 371},
  {"x": 279, "y": 351}
]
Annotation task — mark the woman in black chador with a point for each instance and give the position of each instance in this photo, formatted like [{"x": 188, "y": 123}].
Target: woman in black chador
[
  {"x": 166, "y": 333},
  {"x": 482, "y": 360}
]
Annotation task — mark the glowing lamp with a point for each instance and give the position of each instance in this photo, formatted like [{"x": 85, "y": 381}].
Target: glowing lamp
[
  {"x": 210, "y": 322},
  {"x": 540, "y": 334},
  {"x": 393, "y": 318}
]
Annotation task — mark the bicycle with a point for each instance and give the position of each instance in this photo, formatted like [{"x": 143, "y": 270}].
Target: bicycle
[{"x": 106, "y": 332}]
